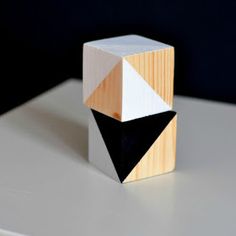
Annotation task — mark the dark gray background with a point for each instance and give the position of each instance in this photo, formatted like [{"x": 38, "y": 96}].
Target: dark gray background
[{"x": 41, "y": 42}]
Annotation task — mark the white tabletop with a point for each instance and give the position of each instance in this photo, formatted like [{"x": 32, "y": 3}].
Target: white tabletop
[{"x": 48, "y": 188}]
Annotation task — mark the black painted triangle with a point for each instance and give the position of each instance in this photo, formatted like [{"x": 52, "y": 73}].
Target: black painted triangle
[{"x": 127, "y": 142}]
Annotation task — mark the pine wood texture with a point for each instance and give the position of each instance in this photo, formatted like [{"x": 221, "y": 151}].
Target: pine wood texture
[
  {"x": 107, "y": 97},
  {"x": 157, "y": 68},
  {"x": 160, "y": 158}
]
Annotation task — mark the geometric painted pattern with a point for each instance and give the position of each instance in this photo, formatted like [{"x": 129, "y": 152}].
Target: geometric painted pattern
[
  {"x": 160, "y": 158},
  {"x": 130, "y": 142},
  {"x": 142, "y": 79},
  {"x": 156, "y": 68},
  {"x": 98, "y": 153},
  {"x": 128, "y": 85},
  {"x": 105, "y": 98}
]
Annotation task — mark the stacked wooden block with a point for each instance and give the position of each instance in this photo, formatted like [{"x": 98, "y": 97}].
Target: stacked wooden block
[{"x": 128, "y": 85}]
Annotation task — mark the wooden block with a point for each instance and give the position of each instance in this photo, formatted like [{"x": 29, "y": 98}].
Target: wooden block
[
  {"x": 133, "y": 150},
  {"x": 128, "y": 77},
  {"x": 160, "y": 158}
]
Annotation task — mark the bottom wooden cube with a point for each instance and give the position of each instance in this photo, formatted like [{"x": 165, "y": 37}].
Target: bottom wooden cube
[{"x": 133, "y": 150}]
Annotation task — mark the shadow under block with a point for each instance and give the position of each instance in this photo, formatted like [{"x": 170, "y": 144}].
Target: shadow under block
[
  {"x": 133, "y": 150},
  {"x": 128, "y": 77}
]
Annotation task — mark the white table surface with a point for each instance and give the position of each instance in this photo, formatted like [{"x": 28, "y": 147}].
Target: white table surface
[{"x": 48, "y": 188}]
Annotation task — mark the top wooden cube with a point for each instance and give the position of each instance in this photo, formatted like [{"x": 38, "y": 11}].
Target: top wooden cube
[{"x": 128, "y": 77}]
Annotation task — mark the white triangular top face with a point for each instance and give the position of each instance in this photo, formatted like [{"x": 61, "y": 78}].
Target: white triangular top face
[
  {"x": 138, "y": 98},
  {"x": 98, "y": 153},
  {"x": 97, "y": 64},
  {"x": 127, "y": 45}
]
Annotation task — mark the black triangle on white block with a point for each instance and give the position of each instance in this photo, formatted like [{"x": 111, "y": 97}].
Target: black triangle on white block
[{"x": 98, "y": 153}]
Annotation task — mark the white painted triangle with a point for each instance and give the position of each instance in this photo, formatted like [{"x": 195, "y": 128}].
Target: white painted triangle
[
  {"x": 96, "y": 66},
  {"x": 98, "y": 153},
  {"x": 138, "y": 98}
]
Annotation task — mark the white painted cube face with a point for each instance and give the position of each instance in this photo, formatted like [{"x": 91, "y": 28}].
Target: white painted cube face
[{"x": 128, "y": 77}]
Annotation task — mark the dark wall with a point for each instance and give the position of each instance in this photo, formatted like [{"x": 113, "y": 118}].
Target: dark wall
[{"x": 41, "y": 42}]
